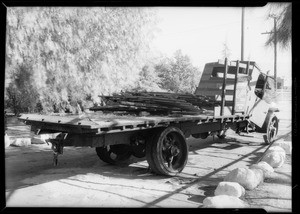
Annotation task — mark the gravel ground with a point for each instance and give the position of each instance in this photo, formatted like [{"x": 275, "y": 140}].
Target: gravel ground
[{"x": 82, "y": 180}]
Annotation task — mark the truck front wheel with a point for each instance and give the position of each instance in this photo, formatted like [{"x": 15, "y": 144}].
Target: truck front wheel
[
  {"x": 272, "y": 128},
  {"x": 167, "y": 152},
  {"x": 264, "y": 127}
]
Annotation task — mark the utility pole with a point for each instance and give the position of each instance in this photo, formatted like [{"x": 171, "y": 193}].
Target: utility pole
[
  {"x": 242, "y": 34},
  {"x": 275, "y": 52},
  {"x": 275, "y": 47}
]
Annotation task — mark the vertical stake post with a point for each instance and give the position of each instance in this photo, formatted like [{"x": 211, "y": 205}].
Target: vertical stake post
[
  {"x": 234, "y": 86},
  {"x": 224, "y": 87},
  {"x": 248, "y": 66}
]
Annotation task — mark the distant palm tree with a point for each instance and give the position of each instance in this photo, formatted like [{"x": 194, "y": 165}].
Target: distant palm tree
[
  {"x": 284, "y": 26},
  {"x": 226, "y": 52}
]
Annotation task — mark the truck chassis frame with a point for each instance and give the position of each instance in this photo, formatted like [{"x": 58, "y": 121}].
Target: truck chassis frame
[{"x": 136, "y": 136}]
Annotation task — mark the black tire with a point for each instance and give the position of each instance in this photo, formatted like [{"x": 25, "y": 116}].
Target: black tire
[
  {"x": 149, "y": 153},
  {"x": 272, "y": 128},
  {"x": 167, "y": 153},
  {"x": 114, "y": 154},
  {"x": 264, "y": 128},
  {"x": 139, "y": 151}
]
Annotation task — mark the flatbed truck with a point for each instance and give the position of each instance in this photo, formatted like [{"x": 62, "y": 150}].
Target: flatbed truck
[{"x": 162, "y": 139}]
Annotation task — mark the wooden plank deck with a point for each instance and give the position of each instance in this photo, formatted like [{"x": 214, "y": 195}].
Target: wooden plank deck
[{"x": 104, "y": 124}]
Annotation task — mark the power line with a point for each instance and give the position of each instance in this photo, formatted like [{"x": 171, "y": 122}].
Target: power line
[{"x": 202, "y": 28}]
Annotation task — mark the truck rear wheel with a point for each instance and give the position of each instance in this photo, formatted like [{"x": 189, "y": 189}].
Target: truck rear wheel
[
  {"x": 139, "y": 151},
  {"x": 167, "y": 152},
  {"x": 114, "y": 154}
]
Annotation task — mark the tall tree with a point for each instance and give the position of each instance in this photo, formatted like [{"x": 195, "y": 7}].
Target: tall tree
[
  {"x": 22, "y": 94},
  {"x": 72, "y": 53},
  {"x": 178, "y": 74},
  {"x": 284, "y": 27},
  {"x": 149, "y": 79}
]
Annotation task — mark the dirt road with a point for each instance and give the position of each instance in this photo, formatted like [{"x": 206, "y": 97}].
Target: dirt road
[{"x": 82, "y": 180}]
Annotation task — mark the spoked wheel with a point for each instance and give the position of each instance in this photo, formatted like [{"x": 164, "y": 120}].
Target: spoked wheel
[
  {"x": 272, "y": 129},
  {"x": 114, "y": 154},
  {"x": 264, "y": 128},
  {"x": 167, "y": 153}
]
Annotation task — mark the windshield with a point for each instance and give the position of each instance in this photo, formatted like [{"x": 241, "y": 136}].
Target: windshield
[{"x": 269, "y": 93}]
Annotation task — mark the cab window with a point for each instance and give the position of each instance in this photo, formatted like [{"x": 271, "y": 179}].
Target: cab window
[{"x": 260, "y": 86}]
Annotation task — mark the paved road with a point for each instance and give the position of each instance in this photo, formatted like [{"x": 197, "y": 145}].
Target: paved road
[{"x": 82, "y": 180}]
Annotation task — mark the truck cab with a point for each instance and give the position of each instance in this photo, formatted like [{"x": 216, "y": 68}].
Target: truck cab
[{"x": 245, "y": 89}]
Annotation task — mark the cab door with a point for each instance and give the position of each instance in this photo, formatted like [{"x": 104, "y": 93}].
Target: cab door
[{"x": 264, "y": 96}]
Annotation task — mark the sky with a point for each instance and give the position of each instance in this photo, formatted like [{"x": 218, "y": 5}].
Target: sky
[{"x": 201, "y": 32}]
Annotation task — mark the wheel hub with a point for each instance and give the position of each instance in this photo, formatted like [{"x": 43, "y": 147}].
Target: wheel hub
[
  {"x": 170, "y": 150},
  {"x": 174, "y": 150},
  {"x": 272, "y": 131}
]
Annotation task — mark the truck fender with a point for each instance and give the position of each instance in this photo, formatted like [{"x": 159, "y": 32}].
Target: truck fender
[{"x": 271, "y": 114}]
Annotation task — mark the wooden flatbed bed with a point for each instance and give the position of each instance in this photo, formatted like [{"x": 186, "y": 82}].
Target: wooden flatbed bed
[
  {"x": 104, "y": 124},
  {"x": 162, "y": 139}
]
